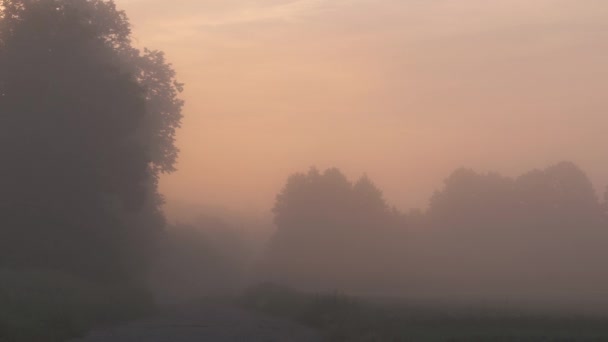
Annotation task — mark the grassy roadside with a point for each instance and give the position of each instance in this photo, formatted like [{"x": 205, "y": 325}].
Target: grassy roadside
[
  {"x": 343, "y": 318},
  {"x": 43, "y": 306}
]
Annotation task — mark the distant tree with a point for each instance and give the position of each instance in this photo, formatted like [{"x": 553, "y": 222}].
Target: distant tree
[
  {"x": 561, "y": 189},
  {"x": 330, "y": 232},
  {"x": 545, "y": 224},
  {"x": 559, "y": 192},
  {"x": 562, "y": 217},
  {"x": 482, "y": 232},
  {"x": 88, "y": 124},
  {"x": 469, "y": 199},
  {"x": 368, "y": 198}
]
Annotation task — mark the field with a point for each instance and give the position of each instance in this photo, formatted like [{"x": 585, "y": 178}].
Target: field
[{"x": 344, "y": 318}]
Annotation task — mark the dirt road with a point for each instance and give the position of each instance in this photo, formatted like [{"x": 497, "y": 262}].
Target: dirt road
[{"x": 207, "y": 324}]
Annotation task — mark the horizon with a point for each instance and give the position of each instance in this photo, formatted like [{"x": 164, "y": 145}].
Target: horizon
[{"x": 404, "y": 91}]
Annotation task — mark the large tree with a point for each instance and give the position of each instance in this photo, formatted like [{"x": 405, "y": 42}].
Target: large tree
[{"x": 87, "y": 125}]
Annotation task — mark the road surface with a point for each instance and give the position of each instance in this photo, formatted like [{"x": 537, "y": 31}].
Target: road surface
[{"x": 216, "y": 323}]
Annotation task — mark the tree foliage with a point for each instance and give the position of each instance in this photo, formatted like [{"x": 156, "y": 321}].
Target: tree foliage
[
  {"x": 330, "y": 231},
  {"x": 546, "y": 229},
  {"x": 88, "y": 124}
]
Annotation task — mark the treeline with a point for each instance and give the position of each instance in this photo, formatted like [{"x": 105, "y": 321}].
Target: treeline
[{"x": 542, "y": 233}]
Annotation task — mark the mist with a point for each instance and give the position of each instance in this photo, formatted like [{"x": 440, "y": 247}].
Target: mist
[
  {"x": 533, "y": 243},
  {"x": 404, "y": 91},
  {"x": 348, "y": 170}
]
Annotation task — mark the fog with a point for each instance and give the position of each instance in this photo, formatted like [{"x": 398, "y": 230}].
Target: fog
[
  {"x": 435, "y": 153},
  {"x": 533, "y": 242},
  {"x": 405, "y": 91}
]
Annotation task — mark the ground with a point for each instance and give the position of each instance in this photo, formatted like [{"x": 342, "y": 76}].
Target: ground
[{"x": 213, "y": 323}]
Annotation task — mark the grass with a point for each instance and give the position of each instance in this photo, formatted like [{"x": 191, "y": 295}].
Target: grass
[
  {"x": 344, "y": 318},
  {"x": 43, "y": 306}
]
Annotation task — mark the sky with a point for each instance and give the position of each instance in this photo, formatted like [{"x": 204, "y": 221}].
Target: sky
[{"x": 404, "y": 91}]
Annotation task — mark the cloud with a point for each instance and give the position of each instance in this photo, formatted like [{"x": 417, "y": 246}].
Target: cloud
[
  {"x": 227, "y": 12},
  {"x": 160, "y": 22},
  {"x": 285, "y": 11}
]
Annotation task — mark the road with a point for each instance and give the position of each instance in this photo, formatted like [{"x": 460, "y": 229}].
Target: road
[{"x": 214, "y": 323}]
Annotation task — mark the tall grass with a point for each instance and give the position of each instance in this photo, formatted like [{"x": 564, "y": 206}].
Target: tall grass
[{"x": 348, "y": 319}]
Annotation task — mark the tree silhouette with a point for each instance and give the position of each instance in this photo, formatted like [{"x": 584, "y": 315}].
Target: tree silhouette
[
  {"x": 541, "y": 232},
  {"x": 544, "y": 225},
  {"x": 88, "y": 123},
  {"x": 330, "y": 232}
]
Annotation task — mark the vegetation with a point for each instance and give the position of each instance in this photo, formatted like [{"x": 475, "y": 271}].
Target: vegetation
[
  {"x": 205, "y": 258},
  {"x": 317, "y": 213},
  {"x": 482, "y": 235},
  {"x": 88, "y": 125},
  {"x": 344, "y": 318},
  {"x": 51, "y": 306}
]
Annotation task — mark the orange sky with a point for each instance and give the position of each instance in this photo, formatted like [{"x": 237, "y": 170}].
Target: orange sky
[{"x": 404, "y": 90}]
